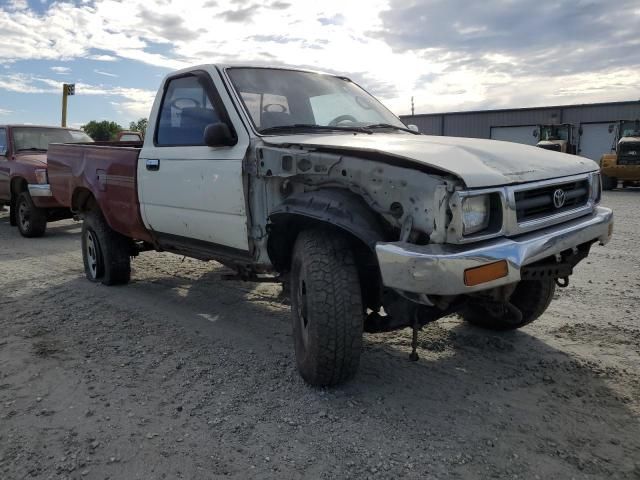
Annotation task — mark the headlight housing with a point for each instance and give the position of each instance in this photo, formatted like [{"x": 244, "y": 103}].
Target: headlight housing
[
  {"x": 596, "y": 188},
  {"x": 475, "y": 214},
  {"x": 41, "y": 176}
]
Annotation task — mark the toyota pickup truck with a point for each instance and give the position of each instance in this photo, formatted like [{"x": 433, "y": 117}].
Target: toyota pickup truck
[
  {"x": 369, "y": 225},
  {"x": 23, "y": 175}
]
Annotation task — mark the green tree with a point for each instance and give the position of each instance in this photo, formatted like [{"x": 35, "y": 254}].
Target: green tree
[
  {"x": 102, "y": 131},
  {"x": 139, "y": 126}
]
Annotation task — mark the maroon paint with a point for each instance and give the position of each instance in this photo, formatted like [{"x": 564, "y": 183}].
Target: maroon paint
[{"x": 109, "y": 173}]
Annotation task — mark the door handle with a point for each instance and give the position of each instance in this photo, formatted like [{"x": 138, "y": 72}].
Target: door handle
[{"x": 153, "y": 165}]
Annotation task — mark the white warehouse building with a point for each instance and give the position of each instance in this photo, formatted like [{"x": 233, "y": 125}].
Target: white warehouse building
[{"x": 594, "y": 124}]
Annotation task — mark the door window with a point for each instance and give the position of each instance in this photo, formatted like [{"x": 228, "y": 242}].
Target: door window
[
  {"x": 3, "y": 142},
  {"x": 185, "y": 112}
]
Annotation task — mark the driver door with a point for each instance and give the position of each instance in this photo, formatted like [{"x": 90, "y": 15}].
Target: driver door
[{"x": 192, "y": 195}]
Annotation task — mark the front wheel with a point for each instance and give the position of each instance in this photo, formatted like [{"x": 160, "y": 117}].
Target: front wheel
[
  {"x": 530, "y": 299},
  {"x": 106, "y": 254},
  {"x": 326, "y": 305},
  {"x": 31, "y": 220}
]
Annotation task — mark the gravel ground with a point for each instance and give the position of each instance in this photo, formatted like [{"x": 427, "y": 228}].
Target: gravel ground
[{"x": 184, "y": 375}]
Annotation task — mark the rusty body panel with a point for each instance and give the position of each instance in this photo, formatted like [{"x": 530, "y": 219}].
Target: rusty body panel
[{"x": 108, "y": 173}]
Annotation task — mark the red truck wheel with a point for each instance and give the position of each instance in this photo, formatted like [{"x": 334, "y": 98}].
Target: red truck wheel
[
  {"x": 31, "y": 220},
  {"x": 326, "y": 308},
  {"x": 106, "y": 254}
]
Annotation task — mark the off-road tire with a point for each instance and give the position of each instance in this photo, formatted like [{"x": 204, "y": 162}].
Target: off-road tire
[
  {"x": 31, "y": 220},
  {"x": 326, "y": 307},
  {"x": 531, "y": 297},
  {"x": 106, "y": 254},
  {"x": 609, "y": 183}
]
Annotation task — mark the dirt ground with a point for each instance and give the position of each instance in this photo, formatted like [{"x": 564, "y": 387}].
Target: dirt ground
[{"x": 184, "y": 375}]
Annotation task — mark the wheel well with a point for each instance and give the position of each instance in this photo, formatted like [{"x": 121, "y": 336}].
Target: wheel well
[
  {"x": 83, "y": 200},
  {"x": 282, "y": 237},
  {"x": 18, "y": 185}
]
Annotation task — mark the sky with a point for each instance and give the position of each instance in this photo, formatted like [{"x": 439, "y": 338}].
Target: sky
[{"x": 450, "y": 55}]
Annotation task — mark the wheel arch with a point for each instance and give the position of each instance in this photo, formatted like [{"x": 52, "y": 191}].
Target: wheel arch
[
  {"x": 83, "y": 200},
  {"x": 333, "y": 209},
  {"x": 18, "y": 185}
]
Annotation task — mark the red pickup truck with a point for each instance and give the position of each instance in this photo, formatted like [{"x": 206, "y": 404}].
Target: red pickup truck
[{"x": 24, "y": 184}]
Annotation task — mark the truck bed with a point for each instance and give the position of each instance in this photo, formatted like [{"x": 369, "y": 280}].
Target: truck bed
[{"x": 106, "y": 169}]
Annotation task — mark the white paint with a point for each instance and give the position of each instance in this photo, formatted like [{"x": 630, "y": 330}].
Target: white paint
[{"x": 197, "y": 192}]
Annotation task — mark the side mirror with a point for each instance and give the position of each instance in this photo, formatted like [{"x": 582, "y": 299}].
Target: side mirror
[
  {"x": 580, "y": 131},
  {"x": 611, "y": 128},
  {"x": 413, "y": 128},
  {"x": 535, "y": 133},
  {"x": 218, "y": 135}
]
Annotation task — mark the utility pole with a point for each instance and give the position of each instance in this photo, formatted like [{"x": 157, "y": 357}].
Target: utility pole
[
  {"x": 67, "y": 89},
  {"x": 412, "y": 109}
]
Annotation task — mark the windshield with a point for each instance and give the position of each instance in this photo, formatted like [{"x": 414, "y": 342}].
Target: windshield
[
  {"x": 39, "y": 138},
  {"x": 275, "y": 98},
  {"x": 630, "y": 129},
  {"x": 553, "y": 132}
]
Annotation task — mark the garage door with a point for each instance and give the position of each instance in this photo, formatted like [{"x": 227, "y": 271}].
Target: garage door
[
  {"x": 521, "y": 134},
  {"x": 596, "y": 140}
]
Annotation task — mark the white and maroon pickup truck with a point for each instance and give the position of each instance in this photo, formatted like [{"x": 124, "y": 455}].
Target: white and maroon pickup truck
[{"x": 370, "y": 225}]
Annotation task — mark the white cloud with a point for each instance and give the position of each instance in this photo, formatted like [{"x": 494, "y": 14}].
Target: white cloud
[
  {"x": 106, "y": 74},
  {"x": 61, "y": 70},
  {"x": 4, "y": 111},
  {"x": 335, "y": 35},
  {"x": 135, "y": 102},
  {"x": 103, "y": 58}
]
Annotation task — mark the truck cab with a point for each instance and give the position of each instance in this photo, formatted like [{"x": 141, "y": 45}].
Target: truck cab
[
  {"x": 24, "y": 184},
  {"x": 624, "y": 163},
  {"x": 557, "y": 138}
]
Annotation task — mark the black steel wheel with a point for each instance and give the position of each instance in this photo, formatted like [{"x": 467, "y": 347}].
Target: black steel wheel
[{"x": 31, "y": 220}]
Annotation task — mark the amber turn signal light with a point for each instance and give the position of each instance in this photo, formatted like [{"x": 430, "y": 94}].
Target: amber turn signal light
[{"x": 485, "y": 273}]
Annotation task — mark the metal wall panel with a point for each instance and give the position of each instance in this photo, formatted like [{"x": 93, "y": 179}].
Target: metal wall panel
[
  {"x": 478, "y": 124},
  {"x": 523, "y": 134},
  {"x": 596, "y": 140}
]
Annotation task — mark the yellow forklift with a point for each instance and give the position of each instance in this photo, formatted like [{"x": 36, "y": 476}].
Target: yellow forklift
[{"x": 623, "y": 165}]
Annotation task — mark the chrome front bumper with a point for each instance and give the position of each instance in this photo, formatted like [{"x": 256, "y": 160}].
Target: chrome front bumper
[
  {"x": 40, "y": 190},
  {"x": 439, "y": 269}
]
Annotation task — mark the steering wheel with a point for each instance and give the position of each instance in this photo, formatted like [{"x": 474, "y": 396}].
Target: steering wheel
[
  {"x": 279, "y": 108},
  {"x": 342, "y": 118},
  {"x": 190, "y": 102}
]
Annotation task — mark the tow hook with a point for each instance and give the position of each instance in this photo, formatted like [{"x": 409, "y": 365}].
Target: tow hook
[{"x": 562, "y": 282}]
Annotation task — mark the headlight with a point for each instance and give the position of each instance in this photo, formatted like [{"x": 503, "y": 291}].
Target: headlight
[
  {"x": 41, "y": 176},
  {"x": 475, "y": 214},
  {"x": 596, "y": 185}
]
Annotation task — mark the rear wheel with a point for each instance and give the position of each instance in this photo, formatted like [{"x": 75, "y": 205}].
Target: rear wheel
[
  {"x": 530, "y": 299},
  {"x": 326, "y": 306},
  {"x": 106, "y": 254},
  {"x": 609, "y": 183},
  {"x": 31, "y": 220}
]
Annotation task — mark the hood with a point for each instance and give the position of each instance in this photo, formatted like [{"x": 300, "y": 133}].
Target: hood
[
  {"x": 34, "y": 159},
  {"x": 478, "y": 162}
]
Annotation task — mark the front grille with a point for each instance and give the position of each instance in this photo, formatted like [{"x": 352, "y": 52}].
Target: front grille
[
  {"x": 539, "y": 202},
  {"x": 629, "y": 159}
]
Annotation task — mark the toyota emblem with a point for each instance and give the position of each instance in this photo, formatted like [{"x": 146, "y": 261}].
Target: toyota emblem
[{"x": 559, "y": 198}]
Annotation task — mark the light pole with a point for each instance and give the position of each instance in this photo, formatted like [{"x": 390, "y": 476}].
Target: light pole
[{"x": 67, "y": 89}]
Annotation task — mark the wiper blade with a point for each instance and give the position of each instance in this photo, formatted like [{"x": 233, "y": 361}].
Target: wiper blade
[
  {"x": 395, "y": 127},
  {"x": 31, "y": 149},
  {"x": 313, "y": 126}
]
